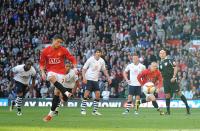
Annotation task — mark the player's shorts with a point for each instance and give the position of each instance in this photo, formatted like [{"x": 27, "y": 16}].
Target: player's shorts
[
  {"x": 134, "y": 90},
  {"x": 170, "y": 87},
  {"x": 59, "y": 77},
  {"x": 20, "y": 87},
  {"x": 92, "y": 86}
]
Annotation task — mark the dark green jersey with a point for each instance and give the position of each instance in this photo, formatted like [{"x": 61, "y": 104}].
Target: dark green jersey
[{"x": 166, "y": 67}]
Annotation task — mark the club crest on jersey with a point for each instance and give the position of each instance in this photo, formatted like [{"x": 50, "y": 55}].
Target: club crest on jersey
[{"x": 54, "y": 60}]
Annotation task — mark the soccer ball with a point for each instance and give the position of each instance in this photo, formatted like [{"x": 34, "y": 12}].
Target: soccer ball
[{"x": 149, "y": 88}]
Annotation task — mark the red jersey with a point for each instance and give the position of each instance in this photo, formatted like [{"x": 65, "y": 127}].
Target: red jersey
[
  {"x": 54, "y": 59},
  {"x": 149, "y": 76}
]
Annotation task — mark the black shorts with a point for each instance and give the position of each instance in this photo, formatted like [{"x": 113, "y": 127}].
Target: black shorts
[
  {"x": 134, "y": 90},
  {"x": 170, "y": 87},
  {"x": 92, "y": 86},
  {"x": 20, "y": 87}
]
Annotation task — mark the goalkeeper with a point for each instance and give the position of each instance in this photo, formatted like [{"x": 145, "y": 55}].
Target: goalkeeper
[{"x": 149, "y": 79}]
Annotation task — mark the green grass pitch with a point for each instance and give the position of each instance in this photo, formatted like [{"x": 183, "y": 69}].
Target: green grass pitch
[{"x": 69, "y": 119}]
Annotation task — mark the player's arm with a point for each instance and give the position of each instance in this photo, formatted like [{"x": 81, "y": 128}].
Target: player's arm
[
  {"x": 175, "y": 71},
  {"x": 84, "y": 69},
  {"x": 33, "y": 77},
  {"x": 125, "y": 74},
  {"x": 105, "y": 72},
  {"x": 141, "y": 77},
  {"x": 70, "y": 57},
  {"x": 42, "y": 64}
]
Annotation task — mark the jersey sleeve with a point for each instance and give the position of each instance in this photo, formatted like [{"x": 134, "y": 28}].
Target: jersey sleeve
[
  {"x": 172, "y": 62},
  {"x": 87, "y": 63},
  {"x": 33, "y": 72},
  {"x": 15, "y": 69},
  {"x": 103, "y": 67},
  {"x": 127, "y": 68},
  {"x": 70, "y": 57}
]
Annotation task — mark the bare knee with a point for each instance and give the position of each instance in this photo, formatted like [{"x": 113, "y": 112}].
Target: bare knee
[
  {"x": 52, "y": 79},
  {"x": 86, "y": 94},
  {"x": 167, "y": 95},
  {"x": 97, "y": 95}
]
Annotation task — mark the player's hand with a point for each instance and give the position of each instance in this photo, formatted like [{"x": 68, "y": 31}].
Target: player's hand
[
  {"x": 75, "y": 70},
  {"x": 128, "y": 81},
  {"x": 44, "y": 76},
  {"x": 157, "y": 90},
  {"x": 173, "y": 80},
  {"x": 84, "y": 81}
]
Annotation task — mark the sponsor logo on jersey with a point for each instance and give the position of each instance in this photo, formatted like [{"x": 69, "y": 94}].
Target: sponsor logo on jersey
[{"x": 54, "y": 60}]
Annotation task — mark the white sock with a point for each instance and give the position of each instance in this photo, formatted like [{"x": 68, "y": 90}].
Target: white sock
[
  {"x": 51, "y": 113},
  {"x": 67, "y": 93}
]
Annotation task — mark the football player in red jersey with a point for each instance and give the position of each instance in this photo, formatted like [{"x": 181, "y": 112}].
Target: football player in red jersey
[
  {"x": 151, "y": 75},
  {"x": 52, "y": 62}
]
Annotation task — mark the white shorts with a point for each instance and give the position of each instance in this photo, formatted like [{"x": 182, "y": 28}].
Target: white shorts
[
  {"x": 148, "y": 95},
  {"x": 59, "y": 77}
]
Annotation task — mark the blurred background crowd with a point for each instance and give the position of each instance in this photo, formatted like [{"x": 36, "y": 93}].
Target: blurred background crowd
[{"x": 118, "y": 27}]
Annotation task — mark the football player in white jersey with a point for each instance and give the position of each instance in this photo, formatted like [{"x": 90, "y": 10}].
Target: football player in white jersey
[
  {"x": 22, "y": 76},
  {"x": 133, "y": 69},
  {"x": 69, "y": 81},
  {"x": 90, "y": 73}
]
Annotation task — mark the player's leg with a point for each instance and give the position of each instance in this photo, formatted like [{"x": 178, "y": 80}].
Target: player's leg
[
  {"x": 137, "y": 98},
  {"x": 96, "y": 103},
  {"x": 55, "y": 102},
  {"x": 63, "y": 98},
  {"x": 176, "y": 89},
  {"x": 128, "y": 105},
  {"x": 130, "y": 99},
  {"x": 96, "y": 90},
  {"x": 167, "y": 91},
  {"x": 54, "y": 78},
  {"x": 152, "y": 98},
  {"x": 89, "y": 89},
  {"x": 20, "y": 90},
  {"x": 84, "y": 102},
  {"x": 184, "y": 101}
]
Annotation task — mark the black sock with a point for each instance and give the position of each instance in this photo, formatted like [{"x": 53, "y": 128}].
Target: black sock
[
  {"x": 155, "y": 104},
  {"x": 143, "y": 100},
  {"x": 55, "y": 102},
  {"x": 168, "y": 104},
  {"x": 184, "y": 100},
  {"x": 60, "y": 87}
]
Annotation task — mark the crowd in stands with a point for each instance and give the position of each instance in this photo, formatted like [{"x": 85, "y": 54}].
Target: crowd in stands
[{"x": 118, "y": 27}]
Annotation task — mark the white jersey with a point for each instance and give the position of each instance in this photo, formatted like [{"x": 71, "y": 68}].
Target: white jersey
[
  {"x": 134, "y": 71},
  {"x": 93, "y": 68},
  {"x": 70, "y": 79},
  {"x": 23, "y": 76}
]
